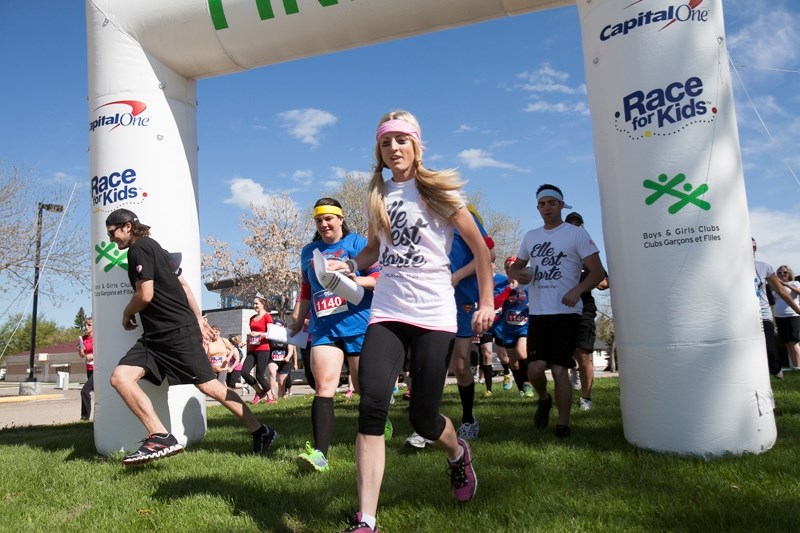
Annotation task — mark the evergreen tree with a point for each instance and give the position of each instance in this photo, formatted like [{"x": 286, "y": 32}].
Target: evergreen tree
[{"x": 79, "y": 318}]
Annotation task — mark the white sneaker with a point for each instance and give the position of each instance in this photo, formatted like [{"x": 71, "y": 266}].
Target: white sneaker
[
  {"x": 469, "y": 431},
  {"x": 584, "y": 404},
  {"x": 417, "y": 441},
  {"x": 575, "y": 378}
]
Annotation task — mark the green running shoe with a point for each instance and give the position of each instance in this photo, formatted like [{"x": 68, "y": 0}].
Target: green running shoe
[
  {"x": 528, "y": 390},
  {"x": 388, "y": 430},
  {"x": 313, "y": 459}
]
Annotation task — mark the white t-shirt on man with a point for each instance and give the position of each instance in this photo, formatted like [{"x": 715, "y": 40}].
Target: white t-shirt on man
[{"x": 556, "y": 259}]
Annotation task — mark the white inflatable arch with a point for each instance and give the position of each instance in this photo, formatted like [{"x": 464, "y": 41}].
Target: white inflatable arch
[{"x": 694, "y": 378}]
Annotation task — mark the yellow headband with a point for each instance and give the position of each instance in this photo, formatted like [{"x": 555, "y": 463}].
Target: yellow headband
[{"x": 328, "y": 210}]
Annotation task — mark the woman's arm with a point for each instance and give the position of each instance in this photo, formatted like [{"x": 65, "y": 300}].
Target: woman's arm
[{"x": 364, "y": 259}]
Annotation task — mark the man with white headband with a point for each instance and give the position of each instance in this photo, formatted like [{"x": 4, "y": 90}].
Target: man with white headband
[{"x": 556, "y": 252}]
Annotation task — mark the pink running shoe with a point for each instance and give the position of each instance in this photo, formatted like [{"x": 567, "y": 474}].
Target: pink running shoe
[
  {"x": 358, "y": 526},
  {"x": 349, "y": 393},
  {"x": 257, "y": 398},
  {"x": 462, "y": 476},
  {"x": 270, "y": 401}
]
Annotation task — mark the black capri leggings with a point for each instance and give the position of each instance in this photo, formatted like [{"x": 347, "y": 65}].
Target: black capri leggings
[
  {"x": 382, "y": 357},
  {"x": 259, "y": 359}
]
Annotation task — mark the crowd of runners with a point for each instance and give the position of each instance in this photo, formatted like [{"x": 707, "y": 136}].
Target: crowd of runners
[{"x": 422, "y": 290}]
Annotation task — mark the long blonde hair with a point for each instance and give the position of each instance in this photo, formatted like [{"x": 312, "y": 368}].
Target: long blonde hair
[{"x": 434, "y": 186}]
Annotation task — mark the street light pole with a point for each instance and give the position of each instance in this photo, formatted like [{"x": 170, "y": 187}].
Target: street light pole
[{"x": 55, "y": 208}]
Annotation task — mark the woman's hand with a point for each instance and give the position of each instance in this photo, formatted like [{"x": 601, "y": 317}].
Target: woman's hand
[
  {"x": 482, "y": 320},
  {"x": 334, "y": 265}
]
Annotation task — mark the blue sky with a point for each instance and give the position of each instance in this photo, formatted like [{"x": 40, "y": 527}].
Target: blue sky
[{"x": 504, "y": 101}]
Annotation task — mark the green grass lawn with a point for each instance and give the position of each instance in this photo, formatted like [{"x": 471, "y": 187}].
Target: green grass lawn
[{"x": 53, "y": 480}]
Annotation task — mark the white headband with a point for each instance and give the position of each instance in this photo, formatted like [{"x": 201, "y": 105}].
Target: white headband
[{"x": 554, "y": 193}]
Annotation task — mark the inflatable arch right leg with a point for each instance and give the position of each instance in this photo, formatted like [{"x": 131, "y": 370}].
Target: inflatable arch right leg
[{"x": 693, "y": 369}]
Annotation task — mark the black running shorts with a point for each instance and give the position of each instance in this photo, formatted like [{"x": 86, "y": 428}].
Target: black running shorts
[{"x": 177, "y": 356}]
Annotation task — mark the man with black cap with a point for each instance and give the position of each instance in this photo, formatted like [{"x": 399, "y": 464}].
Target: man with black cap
[
  {"x": 171, "y": 346},
  {"x": 557, "y": 252},
  {"x": 583, "y": 376}
]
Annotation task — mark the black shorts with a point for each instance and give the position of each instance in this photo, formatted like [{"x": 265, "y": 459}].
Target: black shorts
[
  {"x": 586, "y": 333},
  {"x": 552, "y": 338},
  {"x": 284, "y": 367},
  {"x": 788, "y": 328},
  {"x": 176, "y": 355}
]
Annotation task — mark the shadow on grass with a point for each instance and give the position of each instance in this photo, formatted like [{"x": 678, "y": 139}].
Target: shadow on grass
[{"x": 78, "y": 438}]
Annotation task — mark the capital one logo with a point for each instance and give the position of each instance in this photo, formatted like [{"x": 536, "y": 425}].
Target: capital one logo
[
  {"x": 675, "y": 187},
  {"x": 120, "y": 114},
  {"x": 664, "y": 18},
  {"x": 111, "y": 256}
]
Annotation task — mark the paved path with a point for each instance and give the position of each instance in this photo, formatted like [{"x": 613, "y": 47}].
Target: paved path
[{"x": 55, "y": 406}]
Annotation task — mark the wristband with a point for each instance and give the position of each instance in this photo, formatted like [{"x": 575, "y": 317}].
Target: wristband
[{"x": 352, "y": 264}]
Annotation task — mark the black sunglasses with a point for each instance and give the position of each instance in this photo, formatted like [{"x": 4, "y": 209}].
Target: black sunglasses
[{"x": 113, "y": 231}]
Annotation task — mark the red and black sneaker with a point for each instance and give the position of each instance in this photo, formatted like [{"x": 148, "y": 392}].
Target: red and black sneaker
[{"x": 154, "y": 447}]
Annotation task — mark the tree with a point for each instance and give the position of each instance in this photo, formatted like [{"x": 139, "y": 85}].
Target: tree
[
  {"x": 80, "y": 317},
  {"x": 352, "y": 194},
  {"x": 270, "y": 262},
  {"x": 501, "y": 227},
  {"x": 15, "y": 334},
  {"x": 64, "y": 241}
]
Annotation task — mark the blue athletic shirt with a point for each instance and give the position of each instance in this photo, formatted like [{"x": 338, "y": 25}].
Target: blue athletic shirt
[
  {"x": 466, "y": 292},
  {"x": 332, "y": 315},
  {"x": 500, "y": 283},
  {"x": 514, "y": 321}
]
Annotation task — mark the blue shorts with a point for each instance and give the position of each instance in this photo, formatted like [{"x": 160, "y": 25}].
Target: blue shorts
[
  {"x": 464, "y": 319},
  {"x": 350, "y": 345}
]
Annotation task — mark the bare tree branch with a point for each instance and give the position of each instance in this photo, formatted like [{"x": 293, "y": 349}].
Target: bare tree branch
[
  {"x": 270, "y": 263},
  {"x": 64, "y": 243}
]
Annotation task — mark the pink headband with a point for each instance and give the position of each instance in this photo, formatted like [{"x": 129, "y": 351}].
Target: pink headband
[{"x": 399, "y": 126}]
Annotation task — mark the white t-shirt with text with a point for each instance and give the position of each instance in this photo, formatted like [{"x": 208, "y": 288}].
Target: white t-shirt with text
[
  {"x": 556, "y": 259},
  {"x": 414, "y": 286}
]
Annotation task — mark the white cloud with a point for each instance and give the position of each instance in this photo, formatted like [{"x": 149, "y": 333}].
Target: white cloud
[
  {"x": 478, "y": 158},
  {"x": 548, "y": 80},
  {"x": 771, "y": 40},
  {"x": 303, "y": 177},
  {"x": 577, "y": 108},
  {"x": 306, "y": 124},
  {"x": 465, "y": 128},
  {"x": 778, "y": 237},
  {"x": 245, "y": 191}
]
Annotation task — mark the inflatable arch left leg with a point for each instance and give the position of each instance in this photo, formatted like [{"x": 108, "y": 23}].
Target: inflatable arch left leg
[{"x": 143, "y": 156}]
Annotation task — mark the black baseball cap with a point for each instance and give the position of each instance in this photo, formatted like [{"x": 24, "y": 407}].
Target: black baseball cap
[
  {"x": 574, "y": 215},
  {"x": 123, "y": 216}
]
